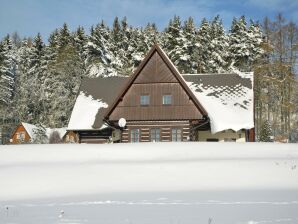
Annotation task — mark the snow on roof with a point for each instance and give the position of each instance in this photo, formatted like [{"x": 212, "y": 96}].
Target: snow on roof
[
  {"x": 84, "y": 112},
  {"x": 96, "y": 94},
  {"x": 30, "y": 128},
  {"x": 228, "y": 99}
]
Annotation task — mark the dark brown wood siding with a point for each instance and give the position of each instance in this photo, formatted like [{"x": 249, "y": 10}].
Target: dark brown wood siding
[
  {"x": 164, "y": 127},
  {"x": 182, "y": 106},
  {"x": 155, "y": 71},
  {"x": 252, "y": 137}
]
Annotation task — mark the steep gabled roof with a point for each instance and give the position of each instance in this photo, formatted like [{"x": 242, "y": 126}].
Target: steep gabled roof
[{"x": 172, "y": 68}]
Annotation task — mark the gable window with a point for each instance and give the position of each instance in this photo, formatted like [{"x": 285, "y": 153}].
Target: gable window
[
  {"x": 144, "y": 100},
  {"x": 167, "y": 99},
  {"x": 21, "y": 136},
  {"x": 135, "y": 135},
  {"x": 176, "y": 135},
  {"x": 155, "y": 135}
]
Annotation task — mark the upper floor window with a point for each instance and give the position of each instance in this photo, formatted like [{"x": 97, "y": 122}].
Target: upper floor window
[
  {"x": 135, "y": 135},
  {"x": 144, "y": 100},
  {"x": 155, "y": 135},
  {"x": 167, "y": 99}
]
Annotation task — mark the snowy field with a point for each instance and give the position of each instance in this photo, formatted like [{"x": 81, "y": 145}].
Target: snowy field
[{"x": 154, "y": 183}]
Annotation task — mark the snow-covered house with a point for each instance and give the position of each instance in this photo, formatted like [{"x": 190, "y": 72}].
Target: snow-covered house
[
  {"x": 27, "y": 133},
  {"x": 157, "y": 103}
]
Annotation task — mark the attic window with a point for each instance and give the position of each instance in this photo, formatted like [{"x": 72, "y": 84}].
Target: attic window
[
  {"x": 144, "y": 100},
  {"x": 21, "y": 136},
  {"x": 167, "y": 99}
]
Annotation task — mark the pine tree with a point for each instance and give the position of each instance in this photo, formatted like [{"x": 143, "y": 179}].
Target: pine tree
[
  {"x": 61, "y": 86},
  {"x": 189, "y": 45},
  {"x": 202, "y": 51},
  {"x": 7, "y": 86},
  {"x": 51, "y": 50},
  {"x": 150, "y": 36},
  {"x": 100, "y": 60},
  {"x": 137, "y": 47},
  {"x": 255, "y": 41},
  {"x": 36, "y": 77},
  {"x": 64, "y": 37},
  {"x": 80, "y": 40},
  {"x": 173, "y": 42},
  {"x": 22, "y": 98},
  {"x": 218, "y": 47},
  {"x": 239, "y": 49},
  {"x": 7, "y": 72},
  {"x": 126, "y": 47},
  {"x": 116, "y": 36},
  {"x": 265, "y": 132}
]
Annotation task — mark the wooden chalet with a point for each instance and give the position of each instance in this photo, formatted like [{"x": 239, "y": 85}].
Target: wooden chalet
[
  {"x": 160, "y": 104},
  {"x": 23, "y": 133},
  {"x": 27, "y": 133}
]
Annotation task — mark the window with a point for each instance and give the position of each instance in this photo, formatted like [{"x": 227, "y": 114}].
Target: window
[
  {"x": 155, "y": 135},
  {"x": 176, "y": 135},
  {"x": 21, "y": 136},
  {"x": 135, "y": 135},
  {"x": 167, "y": 99},
  {"x": 144, "y": 100}
]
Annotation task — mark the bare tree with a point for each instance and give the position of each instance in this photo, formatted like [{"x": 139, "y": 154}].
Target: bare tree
[{"x": 55, "y": 138}]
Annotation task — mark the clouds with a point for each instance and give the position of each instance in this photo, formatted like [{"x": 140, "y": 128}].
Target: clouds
[{"x": 32, "y": 16}]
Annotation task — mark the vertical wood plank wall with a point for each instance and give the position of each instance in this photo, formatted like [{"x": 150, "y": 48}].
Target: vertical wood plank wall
[
  {"x": 155, "y": 80},
  {"x": 181, "y": 108}
]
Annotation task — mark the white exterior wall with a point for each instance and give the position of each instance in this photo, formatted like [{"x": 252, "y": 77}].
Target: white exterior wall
[{"x": 221, "y": 136}]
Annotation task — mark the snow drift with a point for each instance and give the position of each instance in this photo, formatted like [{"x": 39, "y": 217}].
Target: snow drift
[{"x": 44, "y": 171}]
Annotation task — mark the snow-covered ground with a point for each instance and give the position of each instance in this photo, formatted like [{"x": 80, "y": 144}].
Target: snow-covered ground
[{"x": 149, "y": 183}]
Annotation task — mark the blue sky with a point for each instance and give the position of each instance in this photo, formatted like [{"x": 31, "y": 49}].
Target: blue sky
[{"x": 28, "y": 17}]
